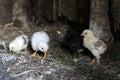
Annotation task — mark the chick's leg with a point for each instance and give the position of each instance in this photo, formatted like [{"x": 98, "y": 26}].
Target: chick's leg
[
  {"x": 93, "y": 61},
  {"x": 44, "y": 55},
  {"x": 98, "y": 57},
  {"x": 25, "y": 51},
  {"x": 34, "y": 54}
]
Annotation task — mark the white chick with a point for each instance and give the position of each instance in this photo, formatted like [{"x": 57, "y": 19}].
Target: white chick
[
  {"x": 39, "y": 42},
  {"x": 19, "y": 44},
  {"x": 93, "y": 44}
]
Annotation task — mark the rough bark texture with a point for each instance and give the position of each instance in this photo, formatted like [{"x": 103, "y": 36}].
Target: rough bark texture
[
  {"x": 99, "y": 20},
  {"x": 14, "y": 11},
  {"x": 42, "y": 10},
  {"x": 115, "y": 18},
  {"x": 68, "y": 11},
  {"x": 20, "y": 14},
  {"x": 5, "y": 12},
  {"x": 73, "y": 10}
]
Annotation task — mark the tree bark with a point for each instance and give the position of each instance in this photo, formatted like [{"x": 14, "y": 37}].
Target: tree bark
[
  {"x": 20, "y": 18},
  {"x": 99, "y": 20},
  {"x": 5, "y": 12},
  {"x": 115, "y": 18},
  {"x": 51, "y": 10}
]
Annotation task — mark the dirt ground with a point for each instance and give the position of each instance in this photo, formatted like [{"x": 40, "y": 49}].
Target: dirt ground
[{"x": 60, "y": 64}]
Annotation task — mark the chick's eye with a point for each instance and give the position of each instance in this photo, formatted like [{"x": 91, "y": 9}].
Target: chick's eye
[
  {"x": 42, "y": 48},
  {"x": 85, "y": 33}
]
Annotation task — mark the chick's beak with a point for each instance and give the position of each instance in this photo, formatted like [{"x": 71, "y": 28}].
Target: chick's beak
[
  {"x": 44, "y": 54},
  {"x": 11, "y": 50},
  {"x": 82, "y": 34}
]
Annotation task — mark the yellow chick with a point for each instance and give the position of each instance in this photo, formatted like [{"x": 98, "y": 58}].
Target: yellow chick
[
  {"x": 93, "y": 44},
  {"x": 18, "y": 44}
]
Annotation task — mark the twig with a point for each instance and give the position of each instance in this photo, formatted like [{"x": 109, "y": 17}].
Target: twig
[
  {"x": 5, "y": 27},
  {"x": 16, "y": 75},
  {"x": 4, "y": 45},
  {"x": 33, "y": 67}
]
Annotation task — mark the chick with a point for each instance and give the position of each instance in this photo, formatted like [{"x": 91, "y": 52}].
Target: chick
[
  {"x": 93, "y": 44},
  {"x": 18, "y": 44},
  {"x": 39, "y": 42}
]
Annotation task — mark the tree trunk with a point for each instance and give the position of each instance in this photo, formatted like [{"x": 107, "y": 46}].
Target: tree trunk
[
  {"x": 5, "y": 12},
  {"x": 99, "y": 20},
  {"x": 51, "y": 10},
  {"x": 115, "y": 18},
  {"x": 20, "y": 14}
]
